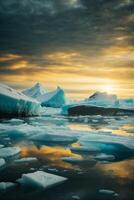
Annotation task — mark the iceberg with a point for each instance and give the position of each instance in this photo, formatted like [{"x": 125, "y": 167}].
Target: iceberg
[
  {"x": 35, "y": 92},
  {"x": 103, "y": 99},
  {"x": 54, "y": 99},
  {"x": 100, "y": 103},
  {"x": 41, "y": 180},
  {"x": 14, "y": 103},
  {"x": 9, "y": 152},
  {"x": 2, "y": 162}
]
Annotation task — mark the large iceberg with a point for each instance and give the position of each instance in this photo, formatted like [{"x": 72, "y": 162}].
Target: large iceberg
[
  {"x": 54, "y": 99},
  {"x": 103, "y": 99},
  {"x": 14, "y": 103},
  {"x": 100, "y": 103},
  {"x": 35, "y": 92},
  {"x": 41, "y": 180}
]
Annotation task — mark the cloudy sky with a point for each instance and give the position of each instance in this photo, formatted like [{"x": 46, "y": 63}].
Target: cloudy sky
[{"x": 81, "y": 45}]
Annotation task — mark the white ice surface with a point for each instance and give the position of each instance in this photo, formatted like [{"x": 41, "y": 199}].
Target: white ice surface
[
  {"x": 9, "y": 151},
  {"x": 105, "y": 138},
  {"x": 35, "y": 92},
  {"x": 26, "y": 160},
  {"x": 40, "y": 179}
]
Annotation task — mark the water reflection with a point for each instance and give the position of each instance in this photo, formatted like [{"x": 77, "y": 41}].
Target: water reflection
[
  {"x": 52, "y": 155},
  {"x": 123, "y": 169}
]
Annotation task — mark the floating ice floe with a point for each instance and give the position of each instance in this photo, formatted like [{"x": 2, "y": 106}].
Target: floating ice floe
[
  {"x": 103, "y": 140},
  {"x": 2, "y": 162},
  {"x": 7, "y": 186},
  {"x": 103, "y": 156},
  {"x": 26, "y": 160},
  {"x": 9, "y": 152},
  {"x": 14, "y": 103},
  {"x": 76, "y": 197},
  {"x": 1, "y": 146},
  {"x": 41, "y": 180},
  {"x": 84, "y": 149},
  {"x": 54, "y": 138}
]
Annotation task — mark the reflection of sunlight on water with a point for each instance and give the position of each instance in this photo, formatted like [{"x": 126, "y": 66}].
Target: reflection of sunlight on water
[
  {"x": 50, "y": 154},
  {"x": 124, "y": 169},
  {"x": 80, "y": 127}
]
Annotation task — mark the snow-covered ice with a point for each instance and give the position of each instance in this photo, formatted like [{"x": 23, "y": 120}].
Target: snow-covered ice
[
  {"x": 40, "y": 179},
  {"x": 9, "y": 151},
  {"x": 35, "y": 92},
  {"x": 14, "y": 103}
]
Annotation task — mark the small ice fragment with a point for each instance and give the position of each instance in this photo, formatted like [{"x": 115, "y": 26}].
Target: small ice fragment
[
  {"x": 23, "y": 160},
  {"x": 6, "y": 186},
  {"x": 105, "y": 191},
  {"x": 76, "y": 197}
]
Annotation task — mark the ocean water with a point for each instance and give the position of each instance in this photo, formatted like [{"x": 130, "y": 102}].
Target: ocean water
[{"x": 95, "y": 153}]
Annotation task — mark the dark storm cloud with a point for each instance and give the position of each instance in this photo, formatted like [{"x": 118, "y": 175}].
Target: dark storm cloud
[{"x": 33, "y": 28}]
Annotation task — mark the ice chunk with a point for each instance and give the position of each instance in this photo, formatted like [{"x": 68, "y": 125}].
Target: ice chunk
[
  {"x": 35, "y": 92},
  {"x": 54, "y": 99},
  {"x": 40, "y": 179},
  {"x": 105, "y": 191},
  {"x": 7, "y": 185},
  {"x": 1, "y": 146},
  {"x": 25, "y": 160},
  {"x": 9, "y": 151},
  {"x": 54, "y": 138},
  {"x": 2, "y": 162},
  {"x": 104, "y": 140},
  {"x": 76, "y": 197},
  {"x": 14, "y": 103}
]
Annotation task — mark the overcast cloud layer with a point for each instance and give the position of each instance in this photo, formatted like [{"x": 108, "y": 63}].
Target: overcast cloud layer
[{"x": 65, "y": 38}]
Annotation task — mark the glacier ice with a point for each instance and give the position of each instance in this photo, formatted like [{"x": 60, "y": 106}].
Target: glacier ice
[
  {"x": 41, "y": 180},
  {"x": 54, "y": 99},
  {"x": 35, "y": 92},
  {"x": 14, "y": 103},
  {"x": 9, "y": 151}
]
